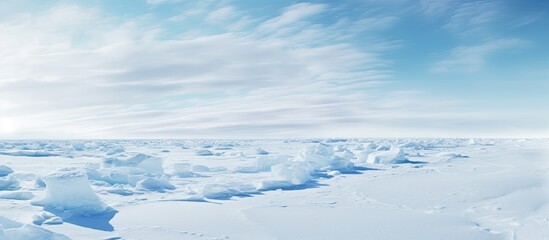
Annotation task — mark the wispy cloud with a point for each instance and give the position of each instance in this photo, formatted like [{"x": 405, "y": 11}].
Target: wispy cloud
[
  {"x": 157, "y": 2},
  {"x": 215, "y": 70},
  {"x": 434, "y": 8},
  {"x": 472, "y": 58},
  {"x": 73, "y": 81},
  {"x": 293, "y": 14},
  {"x": 470, "y": 18},
  {"x": 222, "y": 14}
]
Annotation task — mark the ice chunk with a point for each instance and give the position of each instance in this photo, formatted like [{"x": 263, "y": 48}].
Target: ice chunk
[
  {"x": 321, "y": 158},
  {"x": 78, "y": 146},
  {"x": 393, "y": 155},
  {"x": 184, "y": 170},
  {"x": 335, "y": 140},
  {"x": 115, "y": 151},
  {"x": 449, "y": 154},
  {"x": 204, "y": 152},
  {"x": 181, "y": 168},
  {"x": 286, "y": 175},
  {"x": 53, "y": 221},
  {"x": 223, "y": 148},
  {"x": 412, "y": 145},
  {"x": 150, "y": 164},
  {"x": 339, "y": 148},
  {"x": 263, "y": 164},
  {"x": 12, "y": 230},
  {"x": 226, "y": 191},
  {"x": 46, "y": 218},
  {"x": 238, "y": 155},
  {"x": 119, "y": 175},
  {"x": 333, "y": 173},
  {"x": 261, "y": 151},
  {"x": 155, "y": 184},
  {"x": 319, "y": 154},
  {"x": 92, "y": 166},
  {"x": 207, "y": 145},
  {"x": 200, "y": 168},
  {"x": 120, "y": 190},
  {"x": 246, "y": 169},
  {"x": 26, "y": 153},
  {"x": 39, "y": 183},
  {"x": 383, "y": 148},
  {"x": 69, "y": 189},
  {"x": 266, "y": 162},
  {"x": 218, "y": 169},
  {"x": 9, "y": 182},
  {"x": 5, "y": 170},
  {"x": 346, "y": 154},
  {"x": 363, "y": 155}
]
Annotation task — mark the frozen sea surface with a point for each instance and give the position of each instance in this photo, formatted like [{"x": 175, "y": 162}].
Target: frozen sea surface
[{"x": 275, "y": 189}]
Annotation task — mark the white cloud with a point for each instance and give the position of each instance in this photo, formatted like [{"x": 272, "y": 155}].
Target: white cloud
[
  {"x": 158, "y": 2},
  {"x": 293, "y": 14},
  {"x": 222, "y": 14},
  {"x": 436, "y": 7},
  {"x": 470, "y": 18},
  {"x": 101, "y": 76},
  {"x": 473, "y": 58}
]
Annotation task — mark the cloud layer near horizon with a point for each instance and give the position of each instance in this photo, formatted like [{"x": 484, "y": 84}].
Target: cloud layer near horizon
[{"x": 216, "y": 70}]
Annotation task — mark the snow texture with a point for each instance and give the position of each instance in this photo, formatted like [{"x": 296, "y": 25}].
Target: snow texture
[{"x": 425, "y": 189}]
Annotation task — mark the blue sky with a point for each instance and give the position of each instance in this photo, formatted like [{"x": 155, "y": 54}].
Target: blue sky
[{"x": 261, "y": 69}]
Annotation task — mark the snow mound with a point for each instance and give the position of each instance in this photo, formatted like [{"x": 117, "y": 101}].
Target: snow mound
[
  {"x": 69, "y": 189},
  {"x": 12, "y": 230},
  {"x": 9, "y": 182},
  {"x": 5, "y": 170},
  {"x": 155, "y": 184},
  {"x": 204, "y": 152},
  {"x": 391, "y": 156},
  {"x": 19, "y": 195}
]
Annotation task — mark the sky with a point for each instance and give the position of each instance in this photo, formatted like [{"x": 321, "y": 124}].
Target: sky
[{"x": 273, "y": 69}]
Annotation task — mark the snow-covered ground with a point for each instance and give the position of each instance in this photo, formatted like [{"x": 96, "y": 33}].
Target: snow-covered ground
[{"x": 274, "y": 189}]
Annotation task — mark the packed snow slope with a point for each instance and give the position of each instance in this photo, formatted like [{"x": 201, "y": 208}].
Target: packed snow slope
[{"x": 275, "y": 189}]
